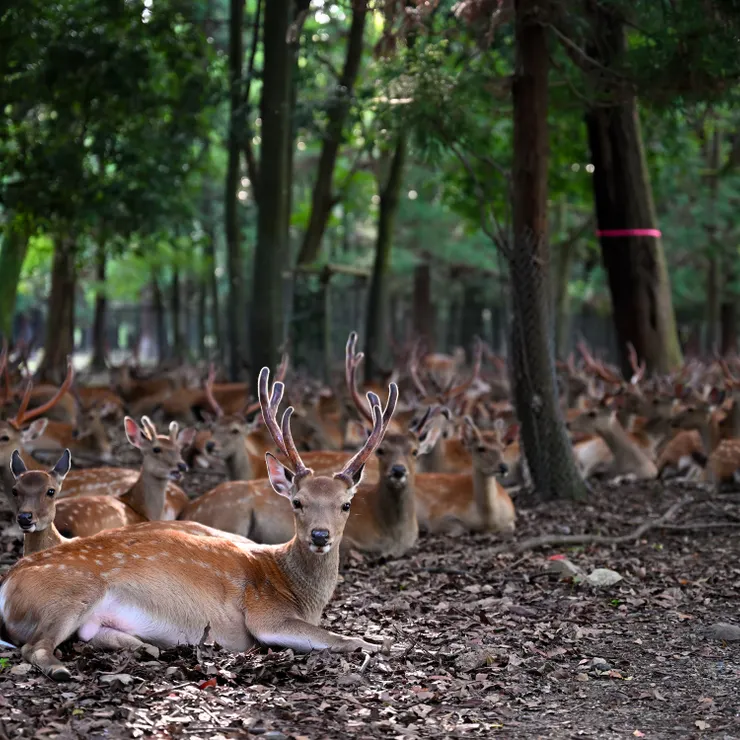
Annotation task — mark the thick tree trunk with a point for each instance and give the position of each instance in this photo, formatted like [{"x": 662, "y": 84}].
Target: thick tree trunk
[
  {"x": 424, "y": 317},
  {"x": 101, "y": 305},
  {"x": 271, "y": 256},
  {"x": 236, "y": 316},
  {"x": 376, "y": 331},
  {"x": 322, "y": 200},
  {"x": 636, "y": 267},
  {"x": 546, "y": 445},
  {"x": 12, "y": 255},
  {"x": 59, "y": 344}
]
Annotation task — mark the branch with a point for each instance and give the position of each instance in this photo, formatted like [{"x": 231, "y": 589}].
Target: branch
[{"x": 596, "y": 539}]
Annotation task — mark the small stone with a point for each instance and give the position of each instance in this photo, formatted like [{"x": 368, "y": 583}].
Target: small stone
[
  {"x": 124, "y": 679},
  {"x": 23, "y": 669},
  {"x": 275, "y": 735},
  {"x": 582, "y": 677},
  {"x": 602, "y": 577},
  {"x": 725, "y": 631}
]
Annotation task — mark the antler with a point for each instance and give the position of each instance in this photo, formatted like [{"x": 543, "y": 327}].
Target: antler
[
  {"x": 596, "y": 367},
  {"x": 381, "y": 420},
  {"x": 414, "y": 370},
  {"x": 352, "y": 360},
  {"x": 638, "y": 369},
  {"x": 149, "y": 429},
  {"x": 282, "y": 371},
  {"x": 282, "y": 435},
  {"x": 174, "y": 428},
  {"x": 209, "y": 392},
  {"x": 23, "y": 416},
  {"x": 453, "y": 393}
]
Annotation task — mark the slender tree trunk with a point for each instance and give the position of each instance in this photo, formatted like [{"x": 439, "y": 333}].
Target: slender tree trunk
[
  {"x": 236, "y": 317},
  {"x": 12, "y": 255},
  {"x": 712, "y": 147},
  {"x": 546, "y": 445},
  {"x": 59, "y": 344},
  {"x": 178, "y": 348},
  {"x": 101, "y": 304},
  {"x": 322, "y": 200},
  {"x": 471, "y": 317},
  {"x": 424, "y": 313},
  {"x": 377, "y": 314},
  {"x": 271, "y": 256},
  {"x": 160, "y": 318},
  {"x": 636, "y": 267},
  {"x": 202, "y": 317},
  {"x": 728, "y": 319},
  {"x": 712, "y": 303},
  {"x": 210, "y": 286}
]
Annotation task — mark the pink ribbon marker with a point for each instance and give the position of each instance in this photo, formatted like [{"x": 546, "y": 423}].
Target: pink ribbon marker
[{"x": 630, "y": 232}]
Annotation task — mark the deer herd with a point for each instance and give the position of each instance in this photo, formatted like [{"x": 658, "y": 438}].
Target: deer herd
[{"x": 126, "y": 559}]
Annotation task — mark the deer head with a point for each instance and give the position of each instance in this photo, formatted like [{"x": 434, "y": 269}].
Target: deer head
[
  {"x": 487, "y": 453},
  {"x": 162, "y": 454},
  {"x": 92, "y": 433},
  {"x": 34, "y": 492},
  {"x": 321, "y": 504}
]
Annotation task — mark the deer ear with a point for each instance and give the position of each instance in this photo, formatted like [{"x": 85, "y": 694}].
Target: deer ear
[
  {"x": 186, "y": 437},
  {"x": 428, "y": 438},
  {"x": 34, "y": 431},
  {"x": 17, "y": 466},
  {"x": 60, "y": 470},
  {"x": 281, "y": 478},
  {"x": 134, "y": 435}
]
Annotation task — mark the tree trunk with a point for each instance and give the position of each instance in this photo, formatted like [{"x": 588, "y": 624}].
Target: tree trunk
[
  {"x": 424, "y": 313},
  {"x": 636, "y": 267},
  {"x": 60, "y": 318},
  {"x": 202, "y": 317},
  {"x": 712, "y": 150},
  {"x": 563, "y": 260},
  {"x": 377, "y": 315},
  {"x": 271, "y": 256},
  {"x": 712, "y": 303},
  {"x": 160, "y": 318},
  {"x": 210, "y": 286},
  {"x": 322, "y": 200},
  {"x": 12, "y": 255},
  {"x": 471, "y": 316},
  {"x": 176, "y": 312},
  {"x": 101, "y": 304},
  {"x": 728, "y": 318},
  {"x": 546, "y": 445},
  {"x": 236, "y": 317}
]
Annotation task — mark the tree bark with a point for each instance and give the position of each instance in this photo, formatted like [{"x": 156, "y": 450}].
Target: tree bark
[
  {"x": 376, "y": 330},
  {"x": 236, "y": 316},
  {"x": 178, "y": 348},
  {"x": 728, "y": 320},
  {"x": 424, "y": 313},
  {"x": 211, "y": 280},
  {"x": 712, "y": 149},
  {"x": 12, "y": 255},
  {"x": 59, "y": 344},
  {"x": 271, "y": 256},
  {"x": 163, "y": 345},
  {"x": 322, "y": 199},
  {"x": 563, "y": 261},
  {"x": 101, "y": 305},
  {"x": 546, "y": 445},
  {"x": 638, "y": 277}
]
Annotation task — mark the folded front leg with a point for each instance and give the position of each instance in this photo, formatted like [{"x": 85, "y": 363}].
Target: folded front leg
[{"x": 304, "y": 637}]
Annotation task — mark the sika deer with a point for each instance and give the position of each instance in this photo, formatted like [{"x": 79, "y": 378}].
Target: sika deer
[
  {"x": 476, "y": 501},
  {"x": 83, "y": 516},
  {"x": 121, "y": 588},
  {"x": 35, "y": 496}
]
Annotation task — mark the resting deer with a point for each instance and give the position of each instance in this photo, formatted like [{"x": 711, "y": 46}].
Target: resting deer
[
  {"x": 35, "y": 494},
  {"x": 123, "y": 589},
  {"x": 383, "y": 519},
  {"x": 83, "y": 516},
  {"x": 475, "y": 501}
]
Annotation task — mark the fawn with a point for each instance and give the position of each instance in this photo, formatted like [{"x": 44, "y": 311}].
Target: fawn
[{"x": 124, "y": 589}]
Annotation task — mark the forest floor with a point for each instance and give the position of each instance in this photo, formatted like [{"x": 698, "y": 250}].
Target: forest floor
[{"x": 484, "y": 644}]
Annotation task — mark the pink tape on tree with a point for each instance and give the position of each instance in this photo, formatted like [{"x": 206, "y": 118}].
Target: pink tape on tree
[{"x": 630, "y": 232}]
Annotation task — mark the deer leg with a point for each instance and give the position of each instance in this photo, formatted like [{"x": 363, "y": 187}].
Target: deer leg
[
  {"x": 108, "y": 638},
  {"x": 304, "y": 637},
  {"x": 41, "y": 654}
]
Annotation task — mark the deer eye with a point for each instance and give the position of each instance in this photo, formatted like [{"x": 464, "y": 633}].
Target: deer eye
[
  {"x": 346, "y": 506},
  {"x": 15, "y": 492},
  {"x": 481, "y": 448},
  {"x": 380, "y": 451},
  {"x": 297, "y": 504},
  {"x": 5, "y": 438},
  {"x": 156, "y": 450},
  {"x": 51, "y": 493},
  {"x": 235, "y": 431},
  {"x": 414, "y": 452}
]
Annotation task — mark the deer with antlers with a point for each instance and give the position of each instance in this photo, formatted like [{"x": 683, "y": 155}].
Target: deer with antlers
[
  {"x": 123, "y": 589},
  {"x": 35, "y": 495}
]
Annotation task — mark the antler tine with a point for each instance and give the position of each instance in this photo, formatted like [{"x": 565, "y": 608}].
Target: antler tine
[
  {"x": 209, "y": 392},
  {"x": 414, "y": 370},
  {"x": 23, "y": 416},
  {"x": 471, "y": 424},
  {"x": 352, "y": 360},
  {"x": 477, "y": 361},
  {"x": 282, "y": 370},
  {"x": 269, "y": 405},
  {"x": 174, "y": 428},
  {"x": 300, "y": 469},
  {"x": 381, "y": 420},
  {"x": 597, "y": 367},
  {"x": 149, "y": 428}
]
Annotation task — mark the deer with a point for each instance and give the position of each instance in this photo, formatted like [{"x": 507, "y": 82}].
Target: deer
[
  {"x": 124, "y": 589},
  {"x": 35, "y": 495},
  {"x": 476, "y": 501},
  {"x": 24, "y": 428},
  {"x": 383, "y": 520},
  {"x": 145, "y": 500}
]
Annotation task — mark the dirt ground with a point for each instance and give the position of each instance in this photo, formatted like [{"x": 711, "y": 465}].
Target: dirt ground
[{"x": 484, "y": 644}]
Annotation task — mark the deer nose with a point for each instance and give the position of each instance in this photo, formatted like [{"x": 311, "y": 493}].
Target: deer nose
[
  {"x": 320, "y": 537},
  {"x": 182, "y": 467},
  {"x": 399, "y": 471},
  {"x": 210, "y": 446},
  {"x": 25, "y": 519},
  {"x": 503, "y": 468}
]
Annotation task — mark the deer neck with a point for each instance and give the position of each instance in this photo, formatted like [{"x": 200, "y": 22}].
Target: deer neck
[
  {"x": 434, "y": 460},
  {"x": 311, "y": 577},
  {"x": 619, "y": 442},
  {"x": 238, "y": 464},
  {"x": 709, "y": 433},
  {"x": 485, "y": 490},
  {"x": 394, "y": 509},
  {"x": 147, "y": 497},
  {"x": 42, "y": 540}
]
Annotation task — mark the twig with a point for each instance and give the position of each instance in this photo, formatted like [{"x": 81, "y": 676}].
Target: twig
[{"x": 595, "y": 539}]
